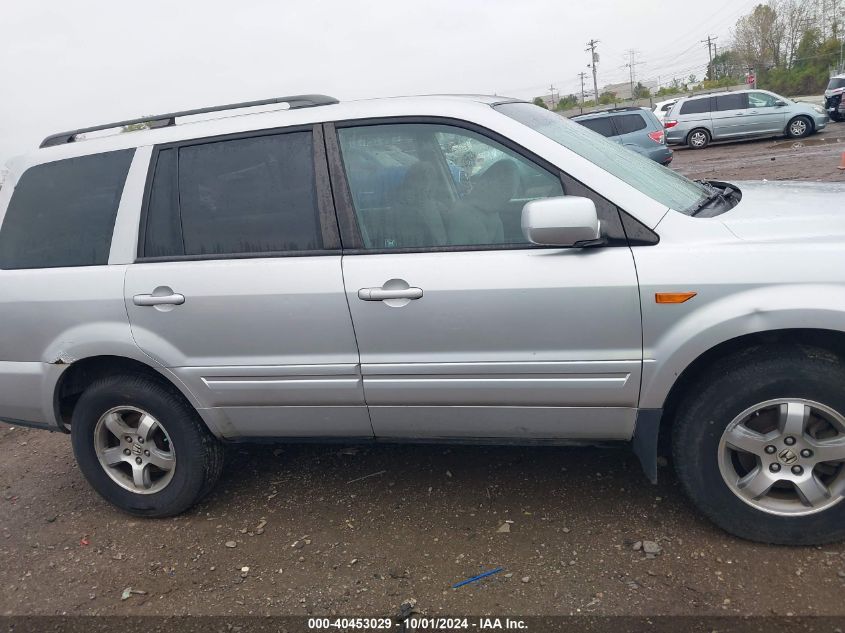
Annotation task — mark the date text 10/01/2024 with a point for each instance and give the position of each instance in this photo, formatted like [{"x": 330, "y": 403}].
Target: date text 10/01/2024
[{"x": 415, "y": 623}]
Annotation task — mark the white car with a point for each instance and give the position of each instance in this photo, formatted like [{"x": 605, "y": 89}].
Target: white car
[{"x": 661, "y": 108}]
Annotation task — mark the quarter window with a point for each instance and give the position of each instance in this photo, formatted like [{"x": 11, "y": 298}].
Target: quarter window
[
  {"x": 62, "y": 213},
  {"x": 249, "y": 195},
  {"x": 696, "y": 106},
  {"x": 428, "y": 185}
]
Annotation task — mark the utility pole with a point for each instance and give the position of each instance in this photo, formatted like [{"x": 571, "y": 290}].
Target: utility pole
[
  {"x": 631, "y": 66},
  {"x": 552, "y": 95},
  {"x": 710, "y": 41},
  {"x": 582, "y": 75},
  {"x": 594, "y": 60}
]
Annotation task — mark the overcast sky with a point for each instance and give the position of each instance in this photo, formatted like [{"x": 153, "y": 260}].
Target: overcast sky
[{"x": 68, "y": 64}]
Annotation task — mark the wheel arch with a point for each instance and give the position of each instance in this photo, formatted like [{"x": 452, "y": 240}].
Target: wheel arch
[
  {"x": 832, "y": 341},
  {"x": 82, "y": 372}
]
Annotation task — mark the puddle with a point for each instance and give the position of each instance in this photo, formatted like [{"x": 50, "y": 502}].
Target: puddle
[{"x": 807, "y": 142}]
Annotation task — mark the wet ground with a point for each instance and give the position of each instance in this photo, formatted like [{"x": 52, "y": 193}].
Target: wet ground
[
  {"x": 357, "y": 530},
  {"x": 815, "y": 158}
]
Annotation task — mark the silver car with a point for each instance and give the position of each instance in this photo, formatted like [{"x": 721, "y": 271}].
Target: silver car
[
  {"x": 696, "y": 121},
  {"x": 426, "y": 269}
]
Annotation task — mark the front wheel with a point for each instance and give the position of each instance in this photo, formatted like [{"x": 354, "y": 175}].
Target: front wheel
[
  {"x": 143, "y": 447},
  {"x": 799, "y": 127},
  {"x": 759, "y": 445}
]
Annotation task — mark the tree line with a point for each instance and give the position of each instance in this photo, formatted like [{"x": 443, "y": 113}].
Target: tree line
[{"x": 791, "y": 46}]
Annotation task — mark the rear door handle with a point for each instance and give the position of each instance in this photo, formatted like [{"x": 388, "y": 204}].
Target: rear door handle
[
  {"x": 380, "y": 294},
  {"x": 173, "y": 299}
]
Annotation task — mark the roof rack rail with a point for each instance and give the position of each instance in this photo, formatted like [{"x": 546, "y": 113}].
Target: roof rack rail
[
  {"x": 606, "y": 110},
  {"x": 165, "y": 120}
]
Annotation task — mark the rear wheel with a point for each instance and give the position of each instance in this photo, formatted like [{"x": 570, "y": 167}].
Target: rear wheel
[
  {"x": 142, "y": 447},
  {"x": 698, "y": 138},
  {"x": 759, "y": 445},
  {"x": 799, "y": 127}
]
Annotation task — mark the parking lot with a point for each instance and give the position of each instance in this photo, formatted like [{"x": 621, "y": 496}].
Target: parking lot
[{"x": 336, "y": 529}]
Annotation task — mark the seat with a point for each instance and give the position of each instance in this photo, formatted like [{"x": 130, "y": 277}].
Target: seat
[{"x": 476, "y": 219}]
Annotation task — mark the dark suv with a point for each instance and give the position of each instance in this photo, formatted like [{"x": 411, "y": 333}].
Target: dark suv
[{"x": 635, "y": 128}]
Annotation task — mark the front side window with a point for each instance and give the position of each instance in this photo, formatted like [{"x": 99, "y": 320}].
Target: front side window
[
  {"x": 422, "y": 185},
  {"x": 62, "y": 213},
  {"x": 659, "y": 183},
  {"x": 241, "y": 196},
  {"x": 761, "y": 100},
  {"x": 738, "y": 101}
]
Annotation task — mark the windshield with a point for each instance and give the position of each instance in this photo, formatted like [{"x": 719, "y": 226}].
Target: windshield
[
  {"x": 836, "y": 82},
  {"x": 645, "y": 175}
]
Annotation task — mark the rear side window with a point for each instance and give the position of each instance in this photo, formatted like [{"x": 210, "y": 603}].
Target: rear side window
[
  {"x": 732, "y": 102},
  {"x": 696, "y": 106},
  {"x": 240, "y": 196},
  {"x": 62, "y": 213},
  {"x": 603, "y": 126},
  {"x": 627, "y": 123}
]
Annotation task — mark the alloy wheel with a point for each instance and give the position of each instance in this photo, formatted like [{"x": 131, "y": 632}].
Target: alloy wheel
[
  {"x": 135, "y": 450},
  {"x": 785, "y": 457},
  {"x": 798, "y": 127}
]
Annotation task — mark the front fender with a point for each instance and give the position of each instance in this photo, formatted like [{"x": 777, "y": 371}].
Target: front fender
[{"x": 669, "y": 350}]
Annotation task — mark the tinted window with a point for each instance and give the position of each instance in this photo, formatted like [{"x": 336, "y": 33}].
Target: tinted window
[
  {"x": 603, "y": 126},
  {"x": 252, "y": 195},
  {"x": 62, "y": 213},
  {"x": 696, "y": 106},
  {"x": 627, "y": 123},
  {"x": 732, "y": 102},
  {"x": 835, "y": 83},
  {"x": 425, "y": 185}
]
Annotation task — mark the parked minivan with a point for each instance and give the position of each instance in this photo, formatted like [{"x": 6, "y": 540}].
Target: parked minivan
[
  {"x": 696, "y": 121},
  {"x": 421, "y": 269}
]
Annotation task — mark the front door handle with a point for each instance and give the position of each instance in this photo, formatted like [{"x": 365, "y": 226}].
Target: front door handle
[
  {"x": 172, "y": 299},
  {"x": 381, "y": 294}
]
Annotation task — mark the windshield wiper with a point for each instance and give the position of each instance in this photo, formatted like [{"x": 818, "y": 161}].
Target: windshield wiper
[{"x": 714, "y": 195}]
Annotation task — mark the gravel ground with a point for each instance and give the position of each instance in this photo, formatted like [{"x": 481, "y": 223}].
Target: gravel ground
[{"x": 357, "y": 530}]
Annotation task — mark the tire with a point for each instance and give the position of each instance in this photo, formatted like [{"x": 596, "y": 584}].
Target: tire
[
  {"x": 180, "y": 461},
  {"x": 722, "y": 481},
  {"x": 799, "y": 127},
  {"x": 699, "y": 138}
]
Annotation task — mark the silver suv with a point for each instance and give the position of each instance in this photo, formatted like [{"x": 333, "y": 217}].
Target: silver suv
[
  {"x": 437, "y": 268},
  {"x": 695, "y": 121}
]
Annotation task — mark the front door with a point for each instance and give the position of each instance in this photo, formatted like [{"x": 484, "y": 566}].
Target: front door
[
  {"x": 764, "y": 117},
  {"x": 464, "y": 329},
  {"x": 239, "y": 287}
]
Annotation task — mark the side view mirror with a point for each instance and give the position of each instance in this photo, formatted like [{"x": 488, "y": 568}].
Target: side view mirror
[
  {"x": 779, "y": 103},
  {"x": 562, "y": 221}
]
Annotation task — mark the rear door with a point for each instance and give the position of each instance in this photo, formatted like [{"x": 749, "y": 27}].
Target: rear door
[
  {"x": 730, "y": 115},
  {"x": 238, "y": 285},
  {"x": 464, "y": 329}
]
